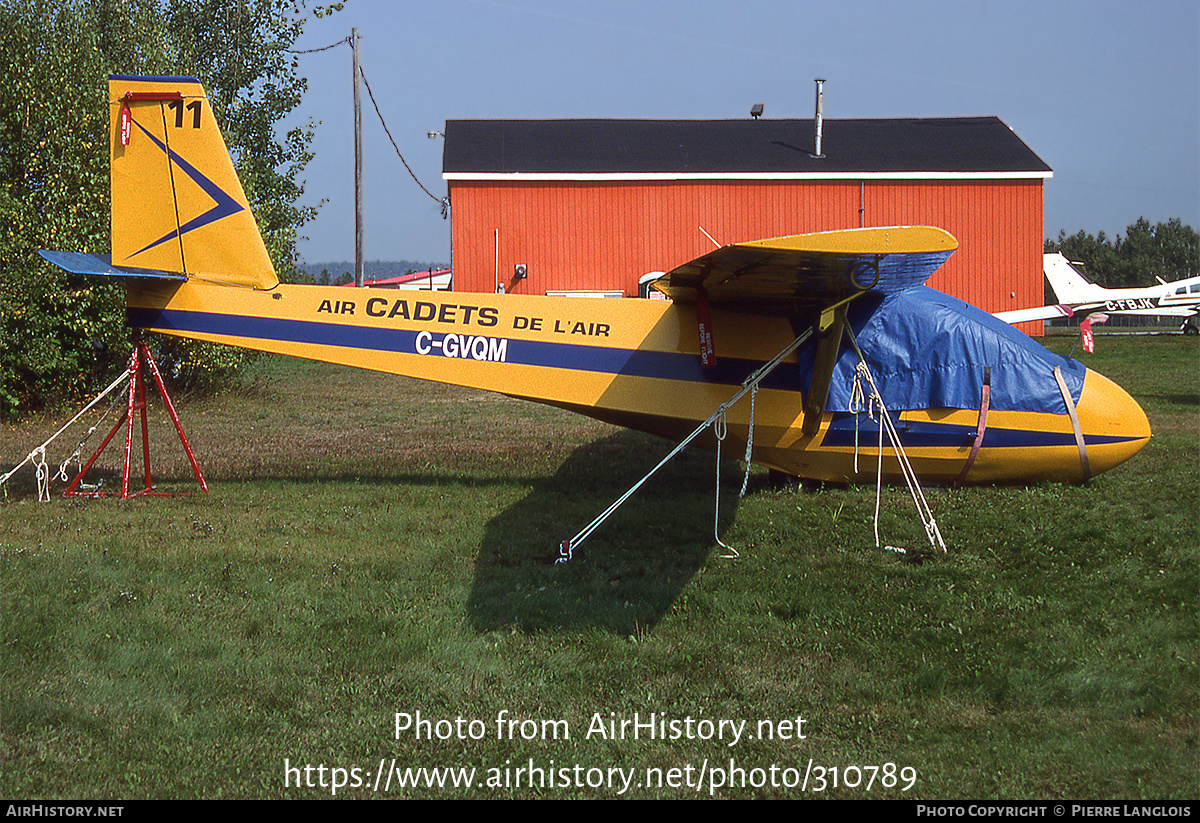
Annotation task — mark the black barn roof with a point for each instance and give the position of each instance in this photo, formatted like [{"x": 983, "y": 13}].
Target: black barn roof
[{"x": 977, "y": 147}]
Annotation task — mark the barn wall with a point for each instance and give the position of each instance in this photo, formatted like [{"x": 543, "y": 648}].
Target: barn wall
[
  {"x": 998, "y": 266},
  {"x": 604, "y": 236}
]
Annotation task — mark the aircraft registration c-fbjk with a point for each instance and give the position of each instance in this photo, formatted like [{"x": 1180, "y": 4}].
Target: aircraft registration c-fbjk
[{"x": 973, "y": 400}]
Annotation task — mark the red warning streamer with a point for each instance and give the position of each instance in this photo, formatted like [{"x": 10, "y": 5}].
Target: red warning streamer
[{"x": 126, "y": 122}]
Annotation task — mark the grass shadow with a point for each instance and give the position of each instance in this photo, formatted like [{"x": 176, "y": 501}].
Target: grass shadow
[
  {"x": 626, "y": 575},
  {"x": 1175, "y": 399}
]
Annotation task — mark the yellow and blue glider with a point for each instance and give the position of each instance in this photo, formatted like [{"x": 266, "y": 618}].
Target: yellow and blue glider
[{"x": 973, "y": 400}]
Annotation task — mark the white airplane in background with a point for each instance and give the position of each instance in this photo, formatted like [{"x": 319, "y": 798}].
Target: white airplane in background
[{"x": 1078, "y": 295}]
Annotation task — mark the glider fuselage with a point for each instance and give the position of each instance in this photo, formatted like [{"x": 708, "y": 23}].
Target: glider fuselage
[{"x": 636, "y": 363}]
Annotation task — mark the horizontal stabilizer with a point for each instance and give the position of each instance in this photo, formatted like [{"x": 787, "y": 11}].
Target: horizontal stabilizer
[{"x": 96, "y": 264}]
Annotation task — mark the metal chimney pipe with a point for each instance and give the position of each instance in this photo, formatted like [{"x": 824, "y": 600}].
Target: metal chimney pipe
[{"x": 820, "y": 115}]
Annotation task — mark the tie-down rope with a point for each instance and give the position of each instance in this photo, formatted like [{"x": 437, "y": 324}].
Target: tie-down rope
[
  {"x": 875, "y": 399},
  {"x": 37, "y": 457},
  {"x": 567, "y": 548},
  {"x": 720, "y": 428}
]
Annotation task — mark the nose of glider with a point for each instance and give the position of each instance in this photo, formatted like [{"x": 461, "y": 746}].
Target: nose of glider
[{"x": 1114, "y": 426}]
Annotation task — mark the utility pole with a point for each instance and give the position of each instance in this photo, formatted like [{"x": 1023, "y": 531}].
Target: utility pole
[{"x": 358, "y": 209}]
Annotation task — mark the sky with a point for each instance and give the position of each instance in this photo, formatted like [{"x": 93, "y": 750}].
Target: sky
[{"x": 1106, "y": 93}]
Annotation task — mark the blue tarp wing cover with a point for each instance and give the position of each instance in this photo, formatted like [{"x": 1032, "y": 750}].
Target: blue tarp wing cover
[{"x": 928, "y": 350}]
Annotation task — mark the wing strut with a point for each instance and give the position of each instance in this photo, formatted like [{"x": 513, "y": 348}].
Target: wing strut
[
  {"x": 567, "y": 548},
  {"x": 829, "y": 340}
]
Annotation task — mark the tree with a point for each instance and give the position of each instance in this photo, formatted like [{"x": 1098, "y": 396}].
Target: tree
[
  {"x": 53, "y": 194},
  {"x": 1170, "y": 251},
  {"x": 60, "y": 337},
  {"x": 1095, "y": 253}
]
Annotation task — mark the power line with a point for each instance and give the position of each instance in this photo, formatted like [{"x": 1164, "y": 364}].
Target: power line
[
  {"x": 440, "y": 200},
  {"x": 323, "y": 48}
]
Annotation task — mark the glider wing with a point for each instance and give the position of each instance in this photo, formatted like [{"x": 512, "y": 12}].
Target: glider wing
[{"x": 809, "y": 272}]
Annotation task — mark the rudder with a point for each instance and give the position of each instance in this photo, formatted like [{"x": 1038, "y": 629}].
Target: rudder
[{"x": 177, "y": 203}]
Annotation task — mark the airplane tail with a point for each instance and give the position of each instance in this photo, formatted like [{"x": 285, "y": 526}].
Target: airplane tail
[
  {"x": 177, "y": 203},
  {"x": 1070, "y": 287}
]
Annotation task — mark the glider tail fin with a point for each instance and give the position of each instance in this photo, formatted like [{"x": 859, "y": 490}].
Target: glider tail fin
[{"x": 177, "y": 203}]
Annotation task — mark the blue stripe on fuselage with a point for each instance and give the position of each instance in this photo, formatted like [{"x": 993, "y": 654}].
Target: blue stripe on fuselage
[
  {"x": 626, "y": 362},
  {"x": 920, "y": 434}
]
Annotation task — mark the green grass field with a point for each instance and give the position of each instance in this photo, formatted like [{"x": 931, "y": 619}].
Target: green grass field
[{"x": 365, "y": 589}]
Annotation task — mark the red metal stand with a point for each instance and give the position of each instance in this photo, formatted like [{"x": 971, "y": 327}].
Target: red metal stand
[{"x": 135, "y": 403}]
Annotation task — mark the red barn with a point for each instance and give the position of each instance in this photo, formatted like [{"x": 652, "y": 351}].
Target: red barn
[{"x": 593, "y": 205}]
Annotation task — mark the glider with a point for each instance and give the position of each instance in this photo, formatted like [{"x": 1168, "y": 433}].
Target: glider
[{"x": 973, "y": 400}]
